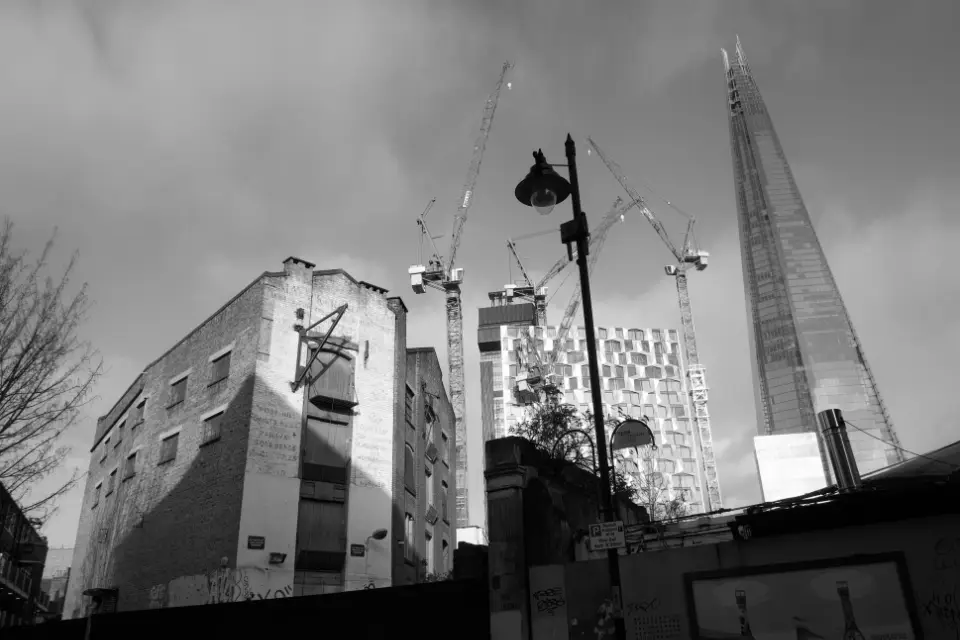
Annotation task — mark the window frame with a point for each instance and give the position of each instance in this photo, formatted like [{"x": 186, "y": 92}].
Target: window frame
[
  {"x": 130, "y": 465},
  {"x": 177, "y": 399},
  {"x": 409, "y": 539},
  {"x": 163, "y": 440},
  {"x": 215, "y": 366},
  {"x": 205, "y": 430}
]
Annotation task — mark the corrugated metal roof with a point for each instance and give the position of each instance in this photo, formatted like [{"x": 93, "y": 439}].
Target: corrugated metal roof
[{"x": 941, "y": 462}]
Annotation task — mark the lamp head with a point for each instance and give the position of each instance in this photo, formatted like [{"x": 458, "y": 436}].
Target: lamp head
[
  {"x": 379, "y": 534},
  {"x": 542, "y": 188}
]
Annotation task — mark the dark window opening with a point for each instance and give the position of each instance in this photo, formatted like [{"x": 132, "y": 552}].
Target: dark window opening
[
  {"x": 409, "y": 469},
  {"x": 136, "y": 416},
  {"x": 332, "y": 379},
  {"x": 111, "y": 482}
]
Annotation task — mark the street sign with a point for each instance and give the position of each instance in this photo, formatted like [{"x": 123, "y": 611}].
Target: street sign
[
  {"x": 607, "y": 535},
  {"x": 632, "y": 433},
  {"x": 256, "y": 542},
  {"x": 357, "y": 550}
]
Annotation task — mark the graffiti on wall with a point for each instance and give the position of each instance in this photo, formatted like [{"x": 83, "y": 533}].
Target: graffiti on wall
[
  {"x": 942, "y": 606},
  {"x": 220, "y": 586}
]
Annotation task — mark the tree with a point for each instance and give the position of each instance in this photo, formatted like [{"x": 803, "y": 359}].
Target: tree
[
  {"x": 641, "y": 483},
  {"x": 653, "y": 492},
  {"x": 545, "y": 427},
  {"x": 46, "y": 372}
]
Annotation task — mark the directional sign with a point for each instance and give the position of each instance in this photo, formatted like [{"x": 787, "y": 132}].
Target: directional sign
[
  {"x": 607, "y": 535},
  {"x": 632, "y": 433}
]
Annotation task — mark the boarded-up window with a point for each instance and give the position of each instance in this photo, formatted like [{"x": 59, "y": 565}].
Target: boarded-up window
[
  {"x": 221, "y": 369},
  {"x": 321, "y": 535},
  {"x": 178, "y": 392},
  {"x": 326, "y": 450},
  {"x": 331, "y": 380},
  {"x": 130, "y": 467},
  {"x": 210, "y": 429},
  {"x": 409, "y": 470},
  {"x": 96, "y": 495},
  {"x": 168, "y": 448},
  {"x": 119, "y": 431}
]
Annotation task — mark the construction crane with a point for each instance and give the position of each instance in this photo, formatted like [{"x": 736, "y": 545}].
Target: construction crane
[
  {"x": 511, "y": 292},
  {"x": 444, "y": 275},
  {"x": 538, "y": 369},
  {"x": 689, "y": 256}
]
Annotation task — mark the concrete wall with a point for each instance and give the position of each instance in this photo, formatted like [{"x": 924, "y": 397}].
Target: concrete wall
[
  {"x": 181, "y": 517},
  {"x": 568, "y": 602}
]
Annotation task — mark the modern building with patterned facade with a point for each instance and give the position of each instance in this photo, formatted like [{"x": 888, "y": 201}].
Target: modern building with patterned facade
[
  {"x": 642, "y": 374},
  {"x": 805, "y": 353}
]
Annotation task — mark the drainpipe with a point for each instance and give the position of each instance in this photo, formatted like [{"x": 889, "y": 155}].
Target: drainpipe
[{"x": 835, "y": 438}]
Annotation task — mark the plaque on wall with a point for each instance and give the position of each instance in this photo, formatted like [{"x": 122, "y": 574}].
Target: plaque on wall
[
  {"x": 357, "y": 550},
  {"x": 256, "y": 542}
]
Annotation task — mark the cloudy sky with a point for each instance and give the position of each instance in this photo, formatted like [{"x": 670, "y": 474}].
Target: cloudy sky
[{"x": 185, "y": 147}]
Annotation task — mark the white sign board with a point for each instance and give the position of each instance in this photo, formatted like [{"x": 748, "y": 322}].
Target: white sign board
[{"x": 607, "y": 535}]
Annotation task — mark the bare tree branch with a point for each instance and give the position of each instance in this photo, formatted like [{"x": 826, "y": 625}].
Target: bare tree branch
[{"x": 47, "y": 372}]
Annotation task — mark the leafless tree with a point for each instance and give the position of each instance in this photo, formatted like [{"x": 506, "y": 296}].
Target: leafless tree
[
  {"x": 47, "y": 372},
  {"x": 652, "y": 490}
]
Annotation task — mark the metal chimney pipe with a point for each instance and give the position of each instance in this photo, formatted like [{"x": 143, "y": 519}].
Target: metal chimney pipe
[{"x": 834, "y": 432}]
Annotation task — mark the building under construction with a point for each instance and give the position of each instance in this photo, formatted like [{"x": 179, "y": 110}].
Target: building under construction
[{"x": 643, "y": 376}]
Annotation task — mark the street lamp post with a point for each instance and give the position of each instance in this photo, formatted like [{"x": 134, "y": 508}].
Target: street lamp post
[
  {"x": 542, "y": 189},
  {"x": 379, "y": 534}
]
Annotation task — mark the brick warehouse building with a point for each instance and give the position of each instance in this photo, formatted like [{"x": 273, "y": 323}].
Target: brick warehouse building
[{"x": 212, "y": 480}]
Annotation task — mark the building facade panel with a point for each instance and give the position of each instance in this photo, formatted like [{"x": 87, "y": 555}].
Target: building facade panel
[{"x": 806, "y": 355}]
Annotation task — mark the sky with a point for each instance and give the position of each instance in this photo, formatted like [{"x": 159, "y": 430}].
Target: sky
[{"x": 183, "y": 148}]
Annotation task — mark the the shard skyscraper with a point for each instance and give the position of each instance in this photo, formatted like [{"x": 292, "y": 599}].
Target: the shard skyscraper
[{"x": 806, "y": 355}]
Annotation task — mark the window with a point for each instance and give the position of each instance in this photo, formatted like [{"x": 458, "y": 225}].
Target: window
[
  {"x": 119, "y": 434},
  {"x": 618, "y": 371},
  {"x": 445, "y": 558},
  {"x": 606, "y": 371},
  {"x": 136, "y": 416},
  {"x": 409, "y": 469},
  {"x": 585, "y": 372},
  {"x": 619, "y": 333},
  {"x": 617, "y": 384},
  {"x": 130, "y": 468},
  {"x": 656, "y": 335},
  {"x": 429, "y": 551},
  {"x": 572, "y": 383},
  {"x": 408, "y": 406},
  {"x": 178, "y": 392},
  {"x": 210, "y": 429},
  {"x": 608, "y": 397},
  {"x": 409, "y": 548},
  {"x": 602, "y": 333},
  {"x": 168, "y": 448},
  {"x": 673, "y": 334},
  {"x": 106, "y": 450},
  {"x": 96, "y": 495},
  {"x": 429, "y": 482},
  {"x": 513, "y": 370},
  {"x": 658, "y": 348},
  {"x": 654, "y": 372},
  {"x": 638, "y": 358},
  {"x": 443, "y": 502},
  {"x": 622, "y": 358},
  {"x": 111, "y": 482},
  {"x": 444, "y": 448},
  {"x": 221, "y": 369}
]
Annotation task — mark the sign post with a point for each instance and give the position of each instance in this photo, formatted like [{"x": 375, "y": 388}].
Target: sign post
[{"x": 607, "y": 535}]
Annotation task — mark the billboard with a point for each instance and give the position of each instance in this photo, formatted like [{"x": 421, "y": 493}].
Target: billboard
[
  {"x": 852, "y": 597},
  {"x": 790, "y": 465}
]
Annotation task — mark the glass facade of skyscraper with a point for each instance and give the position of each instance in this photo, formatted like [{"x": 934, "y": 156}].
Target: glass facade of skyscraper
[{"x": 805, "y": 353}]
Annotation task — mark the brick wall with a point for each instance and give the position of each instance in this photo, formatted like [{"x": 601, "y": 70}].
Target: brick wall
[
  {"x": 180, "y": 517},
  {"x": 425, "y": 377}
]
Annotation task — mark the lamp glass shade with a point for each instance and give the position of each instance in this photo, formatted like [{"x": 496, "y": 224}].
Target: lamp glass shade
[{"x": 543, "y": 201}]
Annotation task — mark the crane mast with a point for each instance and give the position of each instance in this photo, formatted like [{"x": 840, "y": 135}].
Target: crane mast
[
  {"x": 444, "y": 276},
  {"x": 696, "y": 373}
]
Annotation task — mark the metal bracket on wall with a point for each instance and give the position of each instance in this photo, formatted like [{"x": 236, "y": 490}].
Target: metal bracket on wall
[{"x": 296, "y": 384}]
